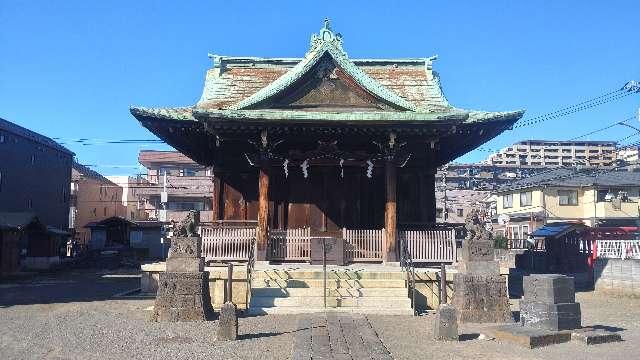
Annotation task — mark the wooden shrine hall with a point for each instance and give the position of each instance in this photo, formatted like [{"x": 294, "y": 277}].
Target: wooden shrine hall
[{"x": 324, "y": 145}]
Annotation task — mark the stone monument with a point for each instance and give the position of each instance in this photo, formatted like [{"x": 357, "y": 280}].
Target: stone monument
[
  {"x": 445, "y": 326},
  {"x": 549, "y": 303},
  {"x": 183, "y": 290},
  {"x": 227, "y": 323},
  {"x": 480, "y": 292}
]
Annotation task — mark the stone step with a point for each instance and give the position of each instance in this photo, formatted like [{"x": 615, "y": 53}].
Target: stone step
[
  {"x": 318, "y": 291},
  {"x": 332, "y": 302},
  {"x": 331, "y": 284},
  {"x": 331, "y": 274},
  {"x": 308, "y": 310}
]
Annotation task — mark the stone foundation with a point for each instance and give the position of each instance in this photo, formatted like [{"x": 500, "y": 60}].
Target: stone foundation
[
  {"x": 480, "y": 291},
  {"x": 183, "y": 291},
  {"x": 481, "y": 298},
  {"x": 549, "y": 303},
  {"x": 182, "y": 297}
]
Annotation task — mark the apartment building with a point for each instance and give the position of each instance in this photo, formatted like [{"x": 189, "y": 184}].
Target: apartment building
[
  {"x": 629, "y": 154},
  {"x": 550, "y": 153},
  {"x": 595, "y": 198},
  {"x": 34, "y": 198},
  {"x": 186, "y": 184},
  {"x": 482, "y": 176}
]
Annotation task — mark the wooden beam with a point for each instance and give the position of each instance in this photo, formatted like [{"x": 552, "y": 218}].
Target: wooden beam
[
  {"x": 390, "y": 216},
  {"x": 263, "y": 214}
]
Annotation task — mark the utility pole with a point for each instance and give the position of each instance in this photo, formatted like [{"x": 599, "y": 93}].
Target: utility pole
[{"x": 445, "y": 213}]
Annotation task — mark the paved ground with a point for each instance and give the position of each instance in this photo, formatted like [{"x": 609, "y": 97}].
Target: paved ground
[{"x": 73, "y": 316}]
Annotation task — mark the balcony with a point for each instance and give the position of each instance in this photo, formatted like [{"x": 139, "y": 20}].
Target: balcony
[{"x": 613, "y": 209}]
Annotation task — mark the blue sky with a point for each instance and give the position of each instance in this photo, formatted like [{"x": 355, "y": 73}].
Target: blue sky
[{"x": 71, "y": 69}]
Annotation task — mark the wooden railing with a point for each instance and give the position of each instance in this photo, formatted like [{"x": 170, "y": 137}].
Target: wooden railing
[
  {"x": 227, "y": 243},
  {"x": 618, "y": 249},
  {"x": 430, "y": 246},
  {"x": 290, "y": 244},
  {"x": 363, "y": 245}
]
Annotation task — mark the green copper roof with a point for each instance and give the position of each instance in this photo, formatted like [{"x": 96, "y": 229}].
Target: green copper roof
[
  {"x": 325, "y": 43},
  {"x": 456, "y": 116}
]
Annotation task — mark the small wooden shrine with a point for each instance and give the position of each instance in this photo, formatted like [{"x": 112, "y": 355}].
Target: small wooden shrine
[{"x": 324, "y": 142}]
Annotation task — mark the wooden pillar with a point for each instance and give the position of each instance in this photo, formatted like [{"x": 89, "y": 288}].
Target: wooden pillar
[
  {"x": 263, "y": 214},
  {"x": 390, "y": 217}
]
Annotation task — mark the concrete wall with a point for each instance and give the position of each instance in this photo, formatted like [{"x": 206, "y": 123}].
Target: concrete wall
[{"x": 617, "y": 276}]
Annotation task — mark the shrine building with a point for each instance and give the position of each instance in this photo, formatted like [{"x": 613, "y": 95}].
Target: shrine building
[{"x": 324, "y": 144}]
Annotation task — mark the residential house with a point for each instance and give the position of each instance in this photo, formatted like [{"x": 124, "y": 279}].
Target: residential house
[
  {"x": 593, "y": 197},
  {"x": 458, "y": 204},
  {"x": 93, "y": 198},
  {"x": 34, "y": 178}
]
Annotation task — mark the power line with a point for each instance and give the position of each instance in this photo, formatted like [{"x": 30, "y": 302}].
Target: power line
[{"x": 631, "y": 87}]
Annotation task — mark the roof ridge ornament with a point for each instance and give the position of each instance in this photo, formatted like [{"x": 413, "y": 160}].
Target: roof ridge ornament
[{"x": 326, "y": 34}]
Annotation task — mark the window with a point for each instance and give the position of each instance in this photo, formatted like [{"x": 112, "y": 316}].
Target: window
[
  {"x": 525, "y": 230},
  {"x": 460, "y": 212},
  {"x": 105, "y": 211},
  {"x": 33, "y": 159},
  {"x": 507, "y": 201},
  {"x": 1, "y": 138},
  {"x": 567, "y": 197},
  {"x": 514, "y": 232},
  {"x": 439, "y": 213},
  {"x": 94, "y": 212},
  {"x": 30, "y": 204},
  {"x": 525, "y": 198}
]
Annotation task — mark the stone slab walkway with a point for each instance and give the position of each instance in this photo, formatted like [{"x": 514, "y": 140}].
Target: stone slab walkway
[{"x": 337, "y": 336}]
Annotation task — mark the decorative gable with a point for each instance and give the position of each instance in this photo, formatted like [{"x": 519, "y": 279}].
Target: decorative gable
[{"x": 325, "y": 79}]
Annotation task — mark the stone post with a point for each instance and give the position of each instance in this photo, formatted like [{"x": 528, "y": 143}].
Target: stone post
[{"x": 445, "y": 327}]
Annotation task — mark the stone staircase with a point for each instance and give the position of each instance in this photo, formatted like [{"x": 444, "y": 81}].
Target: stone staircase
[{"x": 300, "y": 290}]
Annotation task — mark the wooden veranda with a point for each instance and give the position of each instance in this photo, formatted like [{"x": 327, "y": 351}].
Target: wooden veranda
[{"x": 238, "y": 244}]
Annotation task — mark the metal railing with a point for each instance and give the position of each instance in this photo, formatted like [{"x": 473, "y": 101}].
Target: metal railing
[
  {"x": 407, "y": 265},
  {"x": 618, "y": 249},
  {"x": 250, "y": 265}
]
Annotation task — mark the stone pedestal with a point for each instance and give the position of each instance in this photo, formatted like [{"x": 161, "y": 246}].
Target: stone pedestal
[
  {"x": 445, "y": 326},
  {"x": 549, "y": 303},
  {"x": 480, "y": 293},
  {"x": 183, "y": 290},
  {"x": 227, "y": 323}
]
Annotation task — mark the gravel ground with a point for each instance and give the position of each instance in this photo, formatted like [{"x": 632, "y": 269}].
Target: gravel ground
[{"x": 72, "y": 316}]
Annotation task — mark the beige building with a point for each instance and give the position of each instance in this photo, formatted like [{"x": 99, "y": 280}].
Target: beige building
[
  {"x": 93, "y": 198},
  {"x": 131, "y": 189},
  {"x": 556, "y": 153},
  {"x": 595, "y": 198}
]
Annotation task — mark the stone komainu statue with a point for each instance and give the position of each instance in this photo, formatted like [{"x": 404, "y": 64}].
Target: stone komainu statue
[
  {"x": 188, "y": 227},
  {"x": 475, "y": 227}
]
